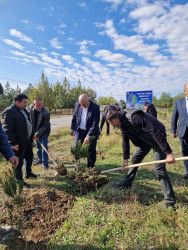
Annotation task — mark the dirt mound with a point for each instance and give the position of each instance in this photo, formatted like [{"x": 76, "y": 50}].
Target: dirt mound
[
  {"x": 61, "y": 169},
  {"x": 45, "y": 220},
  {"x": 87, "y": 180}
]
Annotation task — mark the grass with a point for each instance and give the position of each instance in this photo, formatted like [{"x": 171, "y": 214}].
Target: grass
[{"x": 112, "y": 218}]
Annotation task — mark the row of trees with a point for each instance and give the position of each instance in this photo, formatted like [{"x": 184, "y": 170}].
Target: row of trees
[{"x": 62, "y": 95}]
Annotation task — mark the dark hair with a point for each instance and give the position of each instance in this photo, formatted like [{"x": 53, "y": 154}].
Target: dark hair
[
  {"x": 111, "y": 115},
  {"x": 145, "y": 103},
  {"x": 1, "y": 89},
  {"x": 19, "y": 97},
  {"x": 116, "y": 104}
]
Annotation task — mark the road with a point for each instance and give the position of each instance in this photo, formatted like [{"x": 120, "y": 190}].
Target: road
[{"x": 63, "y": 121}]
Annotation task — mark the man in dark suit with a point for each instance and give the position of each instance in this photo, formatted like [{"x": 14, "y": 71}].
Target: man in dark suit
[
  {"x": 181, "y": 112},
  {"x": 18, "y": 127},
  {"x": 85, "y": 124},
  {"x": 150, "y": 109},
  {"x": 146, "y": 133},
  {"x": 40, "y": 119}
]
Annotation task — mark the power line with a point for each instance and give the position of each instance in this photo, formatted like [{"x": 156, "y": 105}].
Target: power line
[{"x": 3, "y": 78}]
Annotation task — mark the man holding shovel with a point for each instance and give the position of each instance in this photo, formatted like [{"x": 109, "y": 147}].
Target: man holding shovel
[
  {"x": 40, "y": 119},
  {"x": 146, "y": 133}
]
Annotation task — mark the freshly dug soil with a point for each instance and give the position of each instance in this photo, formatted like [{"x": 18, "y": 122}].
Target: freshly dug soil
[
  {"x": 61, "y": 169},
  {"x": 46, "y": 219},
  {"x": 87, "y": 180}
]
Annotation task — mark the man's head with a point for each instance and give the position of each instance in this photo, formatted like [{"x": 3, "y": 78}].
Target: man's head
[
  {"x": 145, "y": 103},
  {"x": 1, "y": 89},
  {"x": 84, "y": 101},
  {"x": 20, "y": 100},
  {"x": 113, "y": 118},
  {"x": 186, "y": 89},
  {"x": 38, "y": 103},
  {"x": 116, "y": 106}
]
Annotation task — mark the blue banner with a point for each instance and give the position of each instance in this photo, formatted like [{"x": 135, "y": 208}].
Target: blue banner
[{"x": 136, "y": 99}]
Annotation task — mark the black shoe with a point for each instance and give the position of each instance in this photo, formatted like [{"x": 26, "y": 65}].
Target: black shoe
[
  {"x": 123, "y": 184},
  {"x": 32, "y": 176},
  {"x": 26, "y": 185},
  {"x": 169, "y": 206},
  {"x": 185, "y": 176}
]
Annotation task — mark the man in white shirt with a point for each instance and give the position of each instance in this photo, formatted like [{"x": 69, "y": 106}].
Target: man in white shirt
[
  {"x": 180, "y": 113},
  {"x": 85, "y": 124}
]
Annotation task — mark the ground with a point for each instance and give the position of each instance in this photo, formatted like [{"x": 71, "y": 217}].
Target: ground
[{"x": 104, "y": 218}]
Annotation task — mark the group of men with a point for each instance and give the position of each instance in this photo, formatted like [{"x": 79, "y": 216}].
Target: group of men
[
  {"x": 22, "y": 126},
  {"x": 142, "y": 128}
]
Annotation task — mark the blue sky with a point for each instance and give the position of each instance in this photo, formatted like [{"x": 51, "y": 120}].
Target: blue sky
[{"x": 112, "y": 46}]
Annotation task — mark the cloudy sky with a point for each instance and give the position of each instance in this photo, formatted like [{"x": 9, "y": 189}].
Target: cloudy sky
[{"x": 113, "y": 46}]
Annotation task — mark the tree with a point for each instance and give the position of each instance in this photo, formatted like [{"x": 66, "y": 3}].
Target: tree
[
  {"x": 122, "y": 103},
  {"x": 165, "y": 100},
  {"x": 106, "y": 100}
]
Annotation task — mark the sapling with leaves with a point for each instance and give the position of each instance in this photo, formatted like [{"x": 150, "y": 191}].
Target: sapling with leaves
[
  {"x": 80, "y": 151},
  {"x": 15, "y": 201}
]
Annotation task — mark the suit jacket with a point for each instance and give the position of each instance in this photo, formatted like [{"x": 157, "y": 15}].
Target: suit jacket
[
  {"x": 14, "y": 125},
  {"x": 5, "y": 148},
  {"x": 43, "y": 121},
  {"x": 180, "y": 113},
  {"x": 92, "y": 120},
  {"x": 151, "y": 110}
]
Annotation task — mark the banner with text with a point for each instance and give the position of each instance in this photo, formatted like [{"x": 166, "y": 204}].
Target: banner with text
[{"x": 136, "y": 99}]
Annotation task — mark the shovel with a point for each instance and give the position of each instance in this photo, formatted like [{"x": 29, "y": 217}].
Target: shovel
[{"x": 144, "y": 164}]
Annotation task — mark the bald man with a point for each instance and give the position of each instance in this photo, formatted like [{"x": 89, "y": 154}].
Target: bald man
[
  {"x": 180, "y": 113},
  {"x": 85, "y": 124}
]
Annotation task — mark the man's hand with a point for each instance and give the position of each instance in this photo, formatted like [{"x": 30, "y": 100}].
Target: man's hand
[
  {"x": 15, "y": 147},
  {"x": 34, "y": 138},
  {"x": 170, "y": 159},
  {"x": 86, "y": 140},
  {"x": 72, "y": 133},
  {"x": 14, "y": 161},
  {"x": 174, "y": 135},
  {"x": 124, "y": 164}
]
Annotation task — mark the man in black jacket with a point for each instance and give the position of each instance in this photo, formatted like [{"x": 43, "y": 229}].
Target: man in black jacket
[
  {"x": 40, "y": 118},
  {"x": 103, "y": 119},
  {"x": 17, "y": 126},
  {"x": 150, "y": 109},
  {"x": 145, "y": 132}
]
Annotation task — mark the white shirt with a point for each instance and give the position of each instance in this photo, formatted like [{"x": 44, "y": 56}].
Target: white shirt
[
  {"x": 186, "y": 104},
  {"x": 83, "y": 118}
]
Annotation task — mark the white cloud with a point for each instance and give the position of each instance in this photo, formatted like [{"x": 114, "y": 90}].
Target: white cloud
[
  {"x": 84, "y": 47},
  {"x": 25, "y": 21},
  {"x": 40, "y": 27},
  {"x": 18, "y": 34},
  {"x": 48, "y": 59},
  {"x": 54, "y": 54},
  {"x": 122, "y": 21},
  {"x": 12, "y": 43},
  {"x": 108, "y": 56},
  {"x": 68, "y": 58},
  {"x": 82, "y": 5},
  {"x": 56, "y": 44},
  {"x": 114, "y": 3},
  {"x": 147, "y": 11}
]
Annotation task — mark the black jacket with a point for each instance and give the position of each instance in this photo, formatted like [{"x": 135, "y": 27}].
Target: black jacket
[
  {"x": 14, "y": 125},
  {"x": 42, "y": 129},
  {"x": 151, "y": 110},
  {"x": 140, "y": 127},
  {"x": 106, "y": 110}
]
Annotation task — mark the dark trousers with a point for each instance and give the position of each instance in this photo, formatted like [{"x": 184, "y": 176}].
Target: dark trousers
[
  {"x": 160, "y": 171},
  {"x": 184, "y": 149},
  {"x": 81, "y": 135},
  {"x": 107, "y": 128},
  {"x": 24, "y": 153}
]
